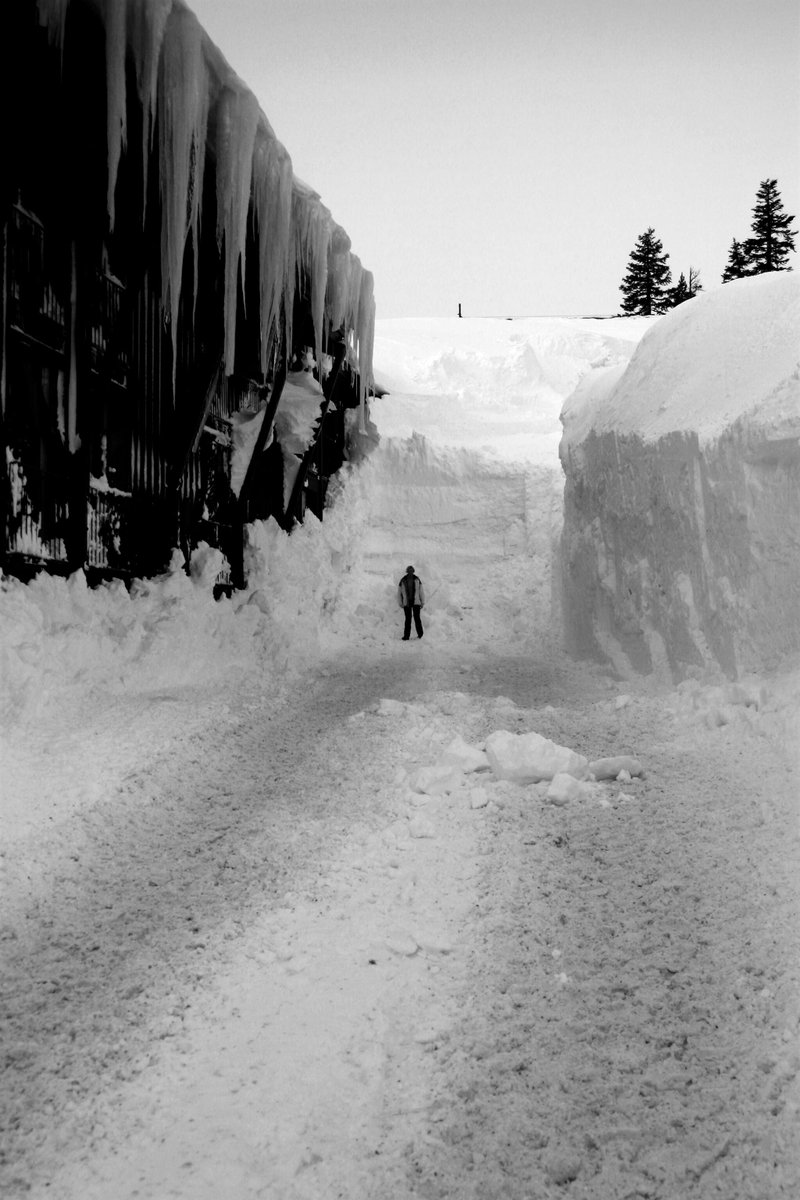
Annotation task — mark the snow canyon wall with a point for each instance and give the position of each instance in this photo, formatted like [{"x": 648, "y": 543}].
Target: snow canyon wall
[{"x": 681, "y": 543}]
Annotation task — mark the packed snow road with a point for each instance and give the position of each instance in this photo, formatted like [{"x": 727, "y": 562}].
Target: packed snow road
[{"x": 262, "y": 965}]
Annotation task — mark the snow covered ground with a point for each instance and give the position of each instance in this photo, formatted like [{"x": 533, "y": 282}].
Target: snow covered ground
[{"x": 269, "y": 930}]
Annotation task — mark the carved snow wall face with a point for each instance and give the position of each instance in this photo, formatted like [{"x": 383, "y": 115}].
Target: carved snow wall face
[{"x": 677, "y": 558}]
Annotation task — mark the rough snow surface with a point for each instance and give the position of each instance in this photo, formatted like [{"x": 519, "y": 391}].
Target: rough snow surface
[
  {"x": 272, "y": 926},
  {"x": 731, "y": 352}
]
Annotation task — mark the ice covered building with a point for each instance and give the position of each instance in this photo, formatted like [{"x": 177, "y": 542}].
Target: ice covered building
[
  {"x": 186, "y": 334},
  {"x": 681, "y": 541}
]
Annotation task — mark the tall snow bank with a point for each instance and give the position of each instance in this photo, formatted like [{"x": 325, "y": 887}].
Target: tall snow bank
[{"x": 682, "y": 500}]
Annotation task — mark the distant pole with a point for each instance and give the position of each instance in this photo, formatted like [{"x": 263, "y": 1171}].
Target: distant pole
[{"x": 459, "y": 309}]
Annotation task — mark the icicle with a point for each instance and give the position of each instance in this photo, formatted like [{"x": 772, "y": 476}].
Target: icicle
[
  {"x": 147, "y": 24},
  {"x": 272, "y": 202},
  {"x": 313, "y": 226},
  {"x": 236, "y": 132},
  {"x": 116, "y": 44},
  {"x": 183, "y": 103},
  {"x": 338, "y": 277},
  {"x": 365, "y": 332},
  {"x": 53, "y": 16}
]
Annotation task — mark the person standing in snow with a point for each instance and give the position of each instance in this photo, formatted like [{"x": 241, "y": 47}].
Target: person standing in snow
[{"x": 411, "y": 598}]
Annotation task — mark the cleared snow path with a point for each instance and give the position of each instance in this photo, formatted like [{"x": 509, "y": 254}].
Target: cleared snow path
[{"x": 242, "y": 975}]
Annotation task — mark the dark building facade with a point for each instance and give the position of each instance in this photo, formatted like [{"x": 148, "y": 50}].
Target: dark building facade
[{"x": 164, "y": 274}]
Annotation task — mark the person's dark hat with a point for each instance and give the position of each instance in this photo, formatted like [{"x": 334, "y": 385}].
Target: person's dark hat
[{"x": 409, "y": 569}]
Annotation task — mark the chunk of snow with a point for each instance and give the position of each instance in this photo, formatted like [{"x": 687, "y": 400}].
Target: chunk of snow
[
  {"x": 478, "y": 797},
  {"x": 565, "y": 788},
  {"x": 420, "y": 827},
  {"x": 402, "y": 943},
  {"x": 528, "y": 757},
  {"x": 435, "y": 780},
  {"x": 468, "y": 758},
  {"x": 609, "y": 768}
]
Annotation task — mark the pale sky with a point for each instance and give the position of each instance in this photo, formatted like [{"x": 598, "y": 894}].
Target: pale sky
[{"x": 506, "y": 154}]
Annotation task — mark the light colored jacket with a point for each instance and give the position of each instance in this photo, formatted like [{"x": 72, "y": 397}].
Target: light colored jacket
[{"x": 410, "y": 592}]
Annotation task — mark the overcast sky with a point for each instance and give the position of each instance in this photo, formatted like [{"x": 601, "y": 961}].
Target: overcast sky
[{"x": 506, "y": 154}]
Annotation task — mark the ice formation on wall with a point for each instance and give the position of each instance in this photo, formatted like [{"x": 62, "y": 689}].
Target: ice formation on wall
[
  {"x": 272, "y": 204},
  {"x": 682, "y": 498},
  {"x": 116, "y": 119},
  {"x": 148, "y": 22},
  {"x": 53, "y": 16},
  {"x": 180, "y": 78},
  {"x": 237, "y": 118},
  {"x": 183, "y": 107},
  {"x": 296, "y": 419}
]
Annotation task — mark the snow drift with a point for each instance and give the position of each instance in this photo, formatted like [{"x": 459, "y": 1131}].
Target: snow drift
[{"x": 682, "y": 513}]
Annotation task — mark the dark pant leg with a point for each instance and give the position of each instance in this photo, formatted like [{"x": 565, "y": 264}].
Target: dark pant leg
[
  {"x": 407, "y": 611},
  {"x": 417, "y": 620}
]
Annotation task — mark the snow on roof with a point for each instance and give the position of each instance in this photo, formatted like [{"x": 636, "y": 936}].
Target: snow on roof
[{"x": 726, "y": 353}]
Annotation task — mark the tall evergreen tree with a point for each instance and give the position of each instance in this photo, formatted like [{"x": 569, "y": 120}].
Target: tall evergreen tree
[
  {"x": 773, "y": 237},
  {"x": 645, "y": 287},
  {"x": 736, "y": 267}
]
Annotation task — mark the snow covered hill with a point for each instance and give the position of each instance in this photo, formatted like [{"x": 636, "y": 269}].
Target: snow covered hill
[{"x": 682, "y": 504}]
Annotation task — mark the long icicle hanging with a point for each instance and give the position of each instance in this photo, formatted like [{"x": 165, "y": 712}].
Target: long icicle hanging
[
  {"x": 147, "y": 23},
  {"x": 183, "y": 104},
  {"x": 313, "y": 224},
  {"x": 237, "y": 120},
  {"x": 272, "y": 204},
  {"x": 116, "y": 12},
  {"x": 53, "y": 16}
]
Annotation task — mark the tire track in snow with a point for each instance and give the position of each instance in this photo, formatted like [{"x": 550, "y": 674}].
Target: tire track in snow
[{"x": 631, "y": 1028}]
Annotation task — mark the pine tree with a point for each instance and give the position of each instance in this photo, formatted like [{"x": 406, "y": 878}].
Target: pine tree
[
  {"x": 736, "y": 267},
  {"x": 680, "y": 292},
  {"x": 645, "y": 287},
  {"x": 768, "y": 249}
]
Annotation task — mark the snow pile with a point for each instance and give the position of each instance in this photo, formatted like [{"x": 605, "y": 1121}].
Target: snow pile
[
  {"x": 682, "y": 510},
  {"x": 511, "y": 768},
  {"x": 62, "y": 639},
  {"x": 530, "y": 758}
]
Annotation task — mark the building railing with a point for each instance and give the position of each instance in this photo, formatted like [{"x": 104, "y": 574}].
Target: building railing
[
  {"x": 30, "y": 531},
  {"x": 108, "y": 514}
]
